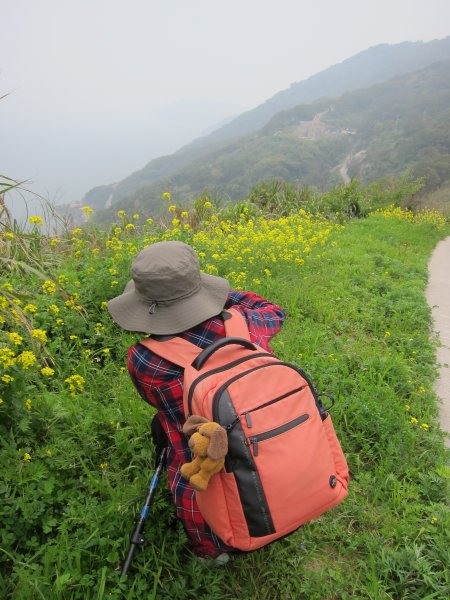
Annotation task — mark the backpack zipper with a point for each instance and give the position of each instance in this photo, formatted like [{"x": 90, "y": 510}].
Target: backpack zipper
[
  {"x": 223, "y": 387},
  {"x": 218, "y": 370},
  {"x": 246, "y": 414},
  {"x": 256, "y": 439}
]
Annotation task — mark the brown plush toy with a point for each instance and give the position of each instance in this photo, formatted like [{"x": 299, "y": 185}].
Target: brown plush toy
[{"x": 209, "y": 443}]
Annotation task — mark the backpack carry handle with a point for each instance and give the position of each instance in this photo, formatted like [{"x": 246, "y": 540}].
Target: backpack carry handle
[{"x": 209, "y": 351}]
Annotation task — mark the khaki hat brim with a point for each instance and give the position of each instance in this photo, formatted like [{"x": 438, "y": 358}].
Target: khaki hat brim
[{"x": 130, "y": 313}]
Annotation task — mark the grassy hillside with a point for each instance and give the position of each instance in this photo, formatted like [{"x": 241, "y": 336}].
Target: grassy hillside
[
  {"x": 76, "y": 449},
  {"x": 365, "y": 69}
]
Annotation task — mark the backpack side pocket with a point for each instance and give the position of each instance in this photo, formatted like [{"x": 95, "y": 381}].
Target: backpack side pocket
[{"x": 336, "y": 452}]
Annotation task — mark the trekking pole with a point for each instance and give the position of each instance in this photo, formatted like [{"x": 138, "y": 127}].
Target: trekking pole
[{"x": 136, "y": 538}]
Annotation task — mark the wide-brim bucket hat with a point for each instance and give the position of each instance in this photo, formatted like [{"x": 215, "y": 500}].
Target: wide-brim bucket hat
[{"x": 168, "y": 293}]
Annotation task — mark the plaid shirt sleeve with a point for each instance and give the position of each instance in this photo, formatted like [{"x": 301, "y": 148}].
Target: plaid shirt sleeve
[
  {"x": 160, "y": 383},
  {"x": 264, "y": 319}
]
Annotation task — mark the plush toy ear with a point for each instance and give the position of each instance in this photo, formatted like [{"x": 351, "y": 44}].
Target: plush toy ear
[
  {"x": 192, "y": 424},
  {"x": 218, "y": 444}
]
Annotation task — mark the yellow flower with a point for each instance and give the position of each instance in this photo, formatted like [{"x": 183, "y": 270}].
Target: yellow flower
[
  {"x": 114, "y": 283},
  {"x": 7, "y": 357},
  {"x": 421, "y": 390},
  {"x": 1, "y": 401},
  {"x": 207, "y": 204},
  {"x": 47, "y": 372},
  {"x": 87, "y": 210},
  {"x": 172, "y": 208},
  {"x": 167, "y": 195},
  {"x": 387, "y": 334},
  {"x": 8, "y": 287},
  {"x": 7, "y": 378},
  {"x": 76, "y": 383},
  {"x": 184, "y": 215},
  {"x": 425, "y": 426},
  {"x": 9, "y": 235},
  {"x": 103, "y": 465},
  {"x": 54, "y": 241},
  {"x": 407, "y": 407},
  {"x": 73, "y": 337},
  {"x": 106, "y": 351},
  {"x": 26, "y": 457},
  {"x": 103, "y": 305},
  {"x": 76, "y": 231},
  {"x": 121, "y": 213},
  {"x": 30, "y": 308},
  {"x": 39, "y": 334},
  {"x": 36, "y": 220},
  {"x": 49, "y": 287},
  {"x": 413, "y": 421},
  {"x": 27, "y": 359},
  {"x": 3, "y": 303},
  {"x": 150, "y": 221},
  {"x": 59, "y": 322},
  {"x": 14, "y": 338},
  {"x": 54, "y": 309},
  {"x": 28, "y": 404},
  {"x": 175, "y": 222},
  {"x": 135, "y": 216},
  {"x": 434, "y": 520}
]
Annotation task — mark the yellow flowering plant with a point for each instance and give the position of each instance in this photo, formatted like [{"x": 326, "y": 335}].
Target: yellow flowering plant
[
  {"x": 36, "y": 220},
  {"x": 71, "y": 420}
]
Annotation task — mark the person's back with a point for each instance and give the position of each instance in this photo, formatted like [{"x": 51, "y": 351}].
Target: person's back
[{"x": 186, "y": 297}]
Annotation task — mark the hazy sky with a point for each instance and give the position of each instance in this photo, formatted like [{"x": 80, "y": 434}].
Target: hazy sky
[{"x": 100, "y": 87}]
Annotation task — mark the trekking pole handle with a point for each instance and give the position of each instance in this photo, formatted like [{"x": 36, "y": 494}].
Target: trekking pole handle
[{"x": 209, "y": 351}]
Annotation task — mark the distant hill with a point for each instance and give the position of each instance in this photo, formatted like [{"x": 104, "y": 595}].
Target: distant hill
[
  {"x": 214, "y": 161},
  {"x": 371, "y": 66},
  {"x": 382, "y": 131}
]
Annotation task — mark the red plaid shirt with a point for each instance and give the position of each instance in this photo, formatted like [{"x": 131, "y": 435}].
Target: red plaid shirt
[{"x": 160, "y": 383}]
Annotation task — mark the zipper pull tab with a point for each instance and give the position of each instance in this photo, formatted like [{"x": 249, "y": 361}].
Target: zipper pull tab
[
  {"x": 248, "y": 419},
  {"x": 232, "y": 424},
  {"x": 254, "y": 441}
]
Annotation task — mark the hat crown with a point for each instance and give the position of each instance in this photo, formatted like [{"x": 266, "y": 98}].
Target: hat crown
[{"x": 165, "y": 272}]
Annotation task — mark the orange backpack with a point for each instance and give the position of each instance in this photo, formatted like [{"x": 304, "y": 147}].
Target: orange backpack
[{"x": 284, "y": 465}]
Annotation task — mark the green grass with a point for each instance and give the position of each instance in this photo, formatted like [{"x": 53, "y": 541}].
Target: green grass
[{"x": 359, "y": 324}]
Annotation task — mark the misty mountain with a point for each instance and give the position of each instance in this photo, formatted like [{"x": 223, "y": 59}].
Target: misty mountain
[
  {"x": 382, "y": 131},
  {"x": 213, "y": 161},
  {"x": 366, "y": 68}
]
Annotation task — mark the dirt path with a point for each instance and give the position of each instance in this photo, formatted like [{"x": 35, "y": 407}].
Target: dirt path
[
  {"x": 438, "y": 296},
  {"x": 343, "y": 172}
]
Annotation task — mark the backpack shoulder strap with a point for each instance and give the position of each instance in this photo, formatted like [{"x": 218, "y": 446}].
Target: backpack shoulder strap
[
  {"x": 175, "y": 350},
  {"x": 183, "y": 353},
  {"x": 235, "y": 324}
]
